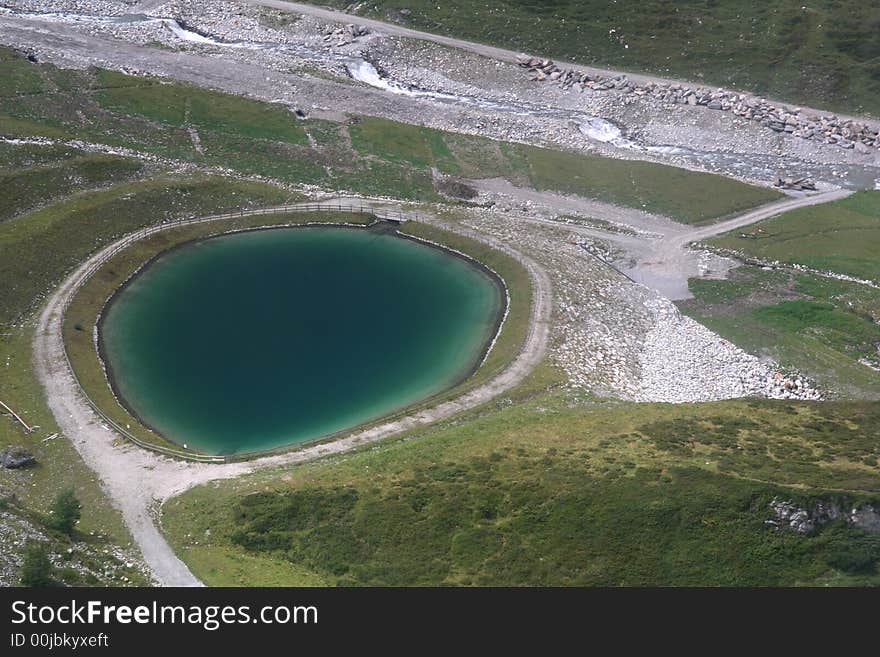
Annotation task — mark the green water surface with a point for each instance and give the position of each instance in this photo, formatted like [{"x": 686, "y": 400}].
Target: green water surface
[{"x": 262, "y": 339}]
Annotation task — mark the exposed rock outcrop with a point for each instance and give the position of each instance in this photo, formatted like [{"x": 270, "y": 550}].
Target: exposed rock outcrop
[{"x": 788, "y": 515}]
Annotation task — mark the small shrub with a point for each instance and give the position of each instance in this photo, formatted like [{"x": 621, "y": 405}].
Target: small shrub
[
  {"x": 66, "y": 511},
  {"x": 37, "y": 570}
]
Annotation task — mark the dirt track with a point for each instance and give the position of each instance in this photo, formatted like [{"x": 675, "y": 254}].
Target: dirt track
[
  {"x": 138, "y": 481},
  {"x": 657, "y": 255}
]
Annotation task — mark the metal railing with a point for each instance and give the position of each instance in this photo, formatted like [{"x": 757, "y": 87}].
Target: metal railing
[{"x": 102, "y": 257}]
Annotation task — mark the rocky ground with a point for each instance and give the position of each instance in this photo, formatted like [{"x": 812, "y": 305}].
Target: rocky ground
[
  {"x": 790, "y": 516},
  {"x": 84, "y": 559},
  {"x": 715, "y": 130},
  {"x": 613, "y": 337}
]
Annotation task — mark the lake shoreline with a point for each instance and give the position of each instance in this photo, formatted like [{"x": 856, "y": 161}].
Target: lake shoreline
[{"x": 111, "y": 377}]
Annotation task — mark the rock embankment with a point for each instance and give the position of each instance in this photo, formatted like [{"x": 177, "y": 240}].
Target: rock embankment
[
  {"x": 683, "y": 361},
  {"x": 614, "y": 338},
  {"x": 827, "y": 128}
]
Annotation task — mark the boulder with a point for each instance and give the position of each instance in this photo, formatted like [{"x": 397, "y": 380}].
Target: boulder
[{"x": 16, "y": 457}]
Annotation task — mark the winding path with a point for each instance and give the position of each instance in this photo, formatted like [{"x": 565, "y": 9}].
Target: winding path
[{"x": 138, "y": 481}]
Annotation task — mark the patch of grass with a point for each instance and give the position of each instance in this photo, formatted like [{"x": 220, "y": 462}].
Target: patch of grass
[
  {"x": 11, "y": 126},
  {"x": 841, "y": 236},
  {"x": 686, "y": 196},
  {"x": 23, "y": 156},
  {"x": 40, "y": 184},
  {"x": 824, "y": 54},
  {"x": 399, "y": 142},
  {"x": 841, "y": 330},
  {"x": 19, "y": 75},
  {"x": 742, "y": 286},
  {"x": 180, "y": 105},
  {"x": 58, "y": 465},
  {"x": 821, "y": 327},
  {"x": 230, "y": 567},
  {"x": 552, "y": 493}
]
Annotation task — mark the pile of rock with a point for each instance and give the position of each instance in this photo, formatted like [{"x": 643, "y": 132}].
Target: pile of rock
[
  {"x": 345, "y": 34},
  {"x": 546, "y": 69},
  {"x": 797, "y": 184},
  {"x": 778, "y": 386},
  {"x": 683, "y": 361},
  {"x": 829, "y": 129}
]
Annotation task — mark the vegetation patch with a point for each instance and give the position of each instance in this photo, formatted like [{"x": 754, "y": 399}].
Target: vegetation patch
[
  {"x": 841, "y": 236},
  {"x": 183, "y": 105},
  {"x": 686, "y": 196},
  {"x": 550, "y": 492},
  {"x": 41, "y": 183},
  {"x": 825, "y": 328}
]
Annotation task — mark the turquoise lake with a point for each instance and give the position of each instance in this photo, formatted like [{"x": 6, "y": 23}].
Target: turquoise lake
[{"x": 268, "y": 338}]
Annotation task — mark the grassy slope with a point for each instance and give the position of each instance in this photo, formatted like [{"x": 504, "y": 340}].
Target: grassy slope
[
  {"x": 71, "y": 229},
  {"x": 369, "y": 156},
  {"x": 686, "y": 196},
  {"x": 38, "y": 184},
  {"x": 548, "y": 492},
  {"x": 843, "y": 236},
  {"x": 818, "y": 326},
  {"x": 825, "y": 54}
]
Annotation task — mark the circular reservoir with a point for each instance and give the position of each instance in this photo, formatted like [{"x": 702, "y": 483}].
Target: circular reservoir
[{"x": 261, "y": 339}]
